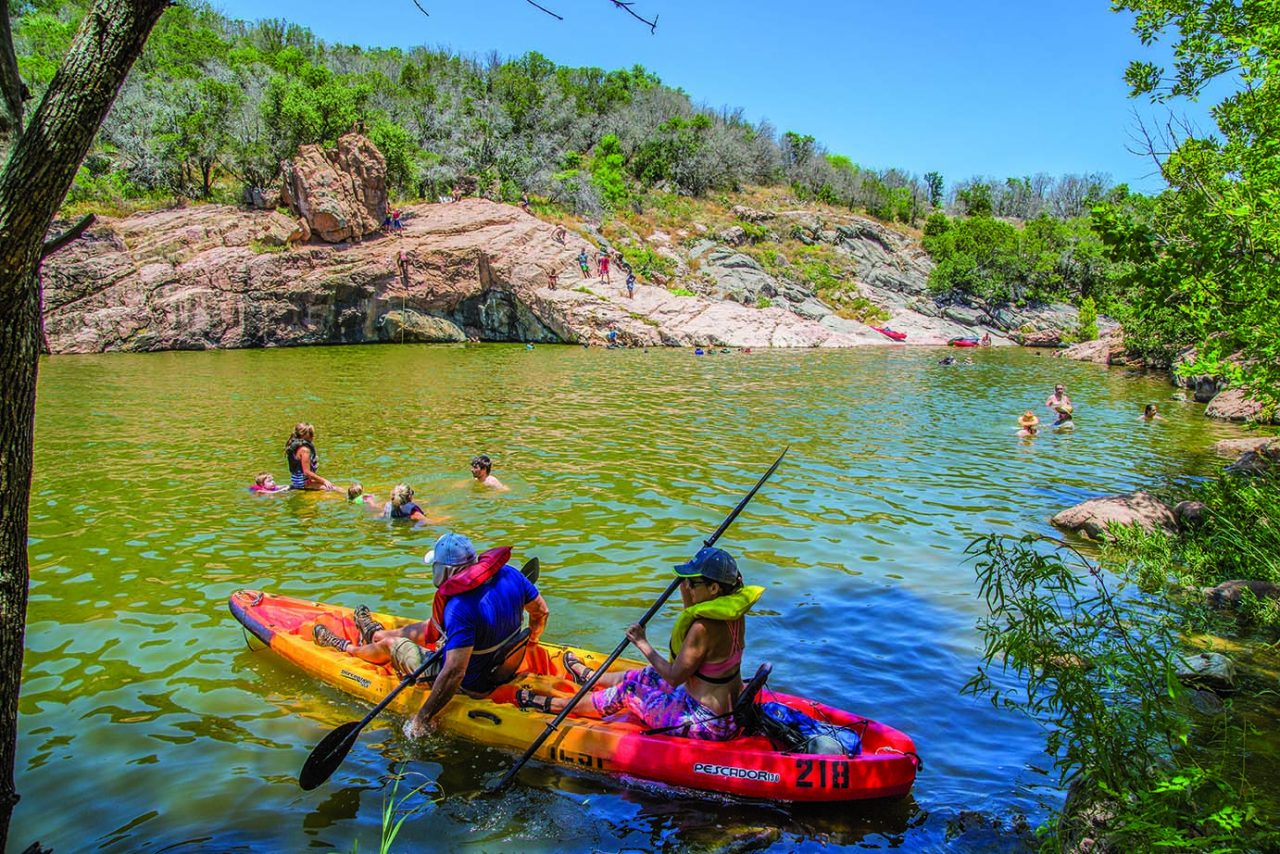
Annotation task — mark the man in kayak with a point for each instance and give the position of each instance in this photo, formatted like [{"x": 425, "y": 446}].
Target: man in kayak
[
  {"x": 478, "y": 610},
  {"x": 691, "y": 695}
]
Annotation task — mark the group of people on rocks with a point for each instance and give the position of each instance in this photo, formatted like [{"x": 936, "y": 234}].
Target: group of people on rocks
[{"x": 478, "y": 611}]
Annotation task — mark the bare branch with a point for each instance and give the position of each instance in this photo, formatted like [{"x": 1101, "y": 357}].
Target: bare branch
[
  {"x": 626, "y": 7},
  {"x": 67, "y": 236},
  {"x": 420, "y": 9},
  {"x": 544, "y": 9}
]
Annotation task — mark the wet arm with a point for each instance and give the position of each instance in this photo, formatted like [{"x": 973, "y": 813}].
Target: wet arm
[
  {"x": 445, "y": 686},
  {"x": 538, "y": 613}
]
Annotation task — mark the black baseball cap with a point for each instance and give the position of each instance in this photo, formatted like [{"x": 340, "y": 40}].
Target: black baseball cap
[{"x": 711, "y": 563}]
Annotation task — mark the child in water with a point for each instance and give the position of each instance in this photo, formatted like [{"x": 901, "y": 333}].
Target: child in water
[
  {"x": 355, "y": 492},
  {"x": 266, "y": 482}
]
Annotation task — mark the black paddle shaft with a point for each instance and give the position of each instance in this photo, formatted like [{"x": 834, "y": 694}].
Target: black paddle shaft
[
  {"x": 608, "y": 662},
  {"x": 334, "y": 747}
]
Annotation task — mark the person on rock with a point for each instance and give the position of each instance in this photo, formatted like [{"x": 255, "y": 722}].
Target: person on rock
[
  {"x": 560, "y": 235},
  {"x": 583, "y": 263},
  {"x": 604, "y": 267},
  {"x": 692, "y": 693},
  {"x": 631, "y": 284},
  {"x": 300, "y": 453},
  {"x": 479, "y": 605}
]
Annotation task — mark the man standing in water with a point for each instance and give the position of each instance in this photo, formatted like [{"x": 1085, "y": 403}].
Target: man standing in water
[
  {"x": 1060, "y": 404},
  {"x": 482, "y": 470}
]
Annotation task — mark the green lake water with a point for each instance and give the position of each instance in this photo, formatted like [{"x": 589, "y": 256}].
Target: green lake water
[{"x": 148, "y": 723}]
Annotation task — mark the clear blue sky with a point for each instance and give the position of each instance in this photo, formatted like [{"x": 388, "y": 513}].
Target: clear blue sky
[{"x": 982, "y": 87}]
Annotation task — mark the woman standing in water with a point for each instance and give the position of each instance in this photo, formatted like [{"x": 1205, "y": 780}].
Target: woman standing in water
[{"x": 300, "y": 452}]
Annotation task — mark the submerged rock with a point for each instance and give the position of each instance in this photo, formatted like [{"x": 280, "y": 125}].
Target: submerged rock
[{"x": 1208, "y": 670}]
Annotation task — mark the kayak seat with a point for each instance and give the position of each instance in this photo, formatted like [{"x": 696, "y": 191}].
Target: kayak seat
[{"x": 744, "y": 707}]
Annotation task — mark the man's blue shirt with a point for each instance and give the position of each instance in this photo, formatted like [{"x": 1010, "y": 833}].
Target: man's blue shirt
[{"x": 485, "y": 617}]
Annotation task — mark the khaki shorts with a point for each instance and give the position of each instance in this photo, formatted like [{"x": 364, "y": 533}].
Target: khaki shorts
[{"x": 407, "y": 657}]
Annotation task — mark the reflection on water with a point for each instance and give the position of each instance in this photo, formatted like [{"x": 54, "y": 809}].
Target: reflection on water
[{"x": 144, "y": 705}]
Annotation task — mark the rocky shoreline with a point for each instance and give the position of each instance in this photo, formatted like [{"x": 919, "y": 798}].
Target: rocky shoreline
[{"x": 311, "y": 263}]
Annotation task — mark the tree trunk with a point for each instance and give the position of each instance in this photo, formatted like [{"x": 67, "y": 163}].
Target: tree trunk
[{"x": 41, "y": 166}]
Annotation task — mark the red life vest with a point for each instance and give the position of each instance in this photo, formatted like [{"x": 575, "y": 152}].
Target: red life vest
[{"x": 480, "y": 572}]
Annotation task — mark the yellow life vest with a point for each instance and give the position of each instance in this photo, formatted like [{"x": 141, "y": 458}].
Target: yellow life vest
[{"x": 726, "y": 608}]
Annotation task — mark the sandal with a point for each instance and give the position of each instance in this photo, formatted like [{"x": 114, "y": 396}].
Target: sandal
[
  {"x": 365, "y": 624},
  {"x": 578, "y": 671},
  {"x": 526, "y": 699}
]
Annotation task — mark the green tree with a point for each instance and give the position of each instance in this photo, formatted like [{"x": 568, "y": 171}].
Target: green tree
[
  {"x": 607, "y": 172},
  {"x": 1205, "y": 263},
  {"x": 933, "y": 180}
]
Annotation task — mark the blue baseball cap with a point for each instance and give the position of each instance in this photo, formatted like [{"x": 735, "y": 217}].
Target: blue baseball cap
[
  {"x": 711, "y": 563},
  {"x": 451, "y": 550}
]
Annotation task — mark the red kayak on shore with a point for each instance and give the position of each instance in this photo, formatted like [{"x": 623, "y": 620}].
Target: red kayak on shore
[
  {"x": 963, "y": 342},
  {"x": 890, "y": 333}
]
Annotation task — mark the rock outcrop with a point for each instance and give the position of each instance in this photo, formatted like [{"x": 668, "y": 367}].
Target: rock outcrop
[
  {"x": 1234, "y": 405},
  {"x": 342, "y": 193},
  {"x": 1094, "y": 516},
  {"x": 211, "y": 276},
  {"x": 216, "y": 276}
]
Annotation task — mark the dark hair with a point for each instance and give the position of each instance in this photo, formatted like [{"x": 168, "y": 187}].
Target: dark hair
[
  {"x": 1151, "y": 407},
  {"x": 725, "y": 587},
  {"x": 483, "y": 461}
]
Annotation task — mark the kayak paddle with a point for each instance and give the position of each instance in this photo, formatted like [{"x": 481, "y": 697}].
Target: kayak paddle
[
  {"x": 600, "y": 670},
  {"x": 334, "y": 747}
]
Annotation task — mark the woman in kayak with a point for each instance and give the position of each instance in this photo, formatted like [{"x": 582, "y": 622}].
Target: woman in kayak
[
  {"x": 693, "y": 693},
  {"x": 300, "y": 452}
]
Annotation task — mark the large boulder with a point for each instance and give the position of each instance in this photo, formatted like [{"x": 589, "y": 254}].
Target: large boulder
[
  {"x": 1104, "y": 350},
  {"x": 1234, "y": 405},
  {"x": 1094, "y": 516},
  {"x": 1042, "y": 338},
  {"x": 1228, "y": 593},
  {"x": 341, "y": 193},
  {"x": 413, "y": 327},
  {"x": 1237, "y": 447}
]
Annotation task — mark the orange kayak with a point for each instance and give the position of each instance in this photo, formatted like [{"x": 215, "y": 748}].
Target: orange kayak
[{"x": 747, "y": 766}]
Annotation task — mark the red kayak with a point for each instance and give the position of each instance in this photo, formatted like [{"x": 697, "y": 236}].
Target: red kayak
[
  {"x": 748, "y": 766},
  {"x": 890, "y": 333},
  {"x": 963, "y": 342}
]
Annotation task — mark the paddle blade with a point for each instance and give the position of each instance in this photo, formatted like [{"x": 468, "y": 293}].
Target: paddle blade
[
  {"x": 328, "y": 755},
  {"x": 532, "y": 569}
]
